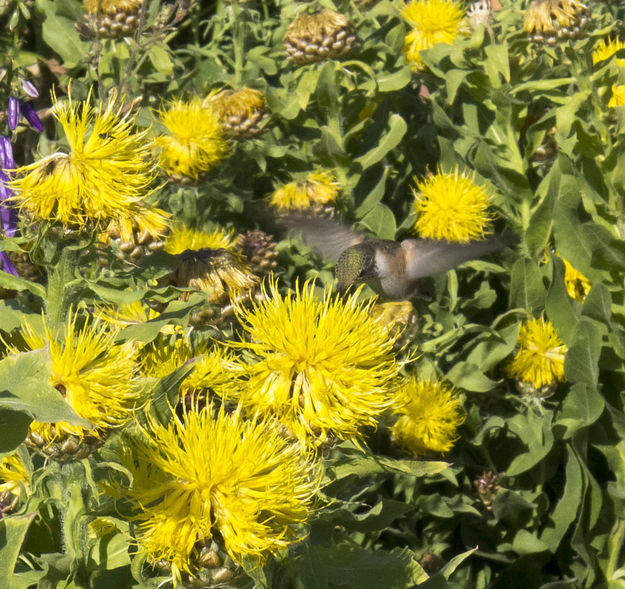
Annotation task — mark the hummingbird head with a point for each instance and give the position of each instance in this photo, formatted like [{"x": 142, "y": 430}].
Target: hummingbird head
[{"x": 355, "y": 264}]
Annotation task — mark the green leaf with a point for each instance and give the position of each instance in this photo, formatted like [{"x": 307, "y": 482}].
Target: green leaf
[
  {"x": 24, "y": 379},
  {"x": 450, "y": 568},
  {"x": 11, "y": 282},
  {"x": 608, "y": 253},
  {"x": 497, "y": 64},
  {"x": 393, "y": 81},
  {"x": 469, "y": 377},
  {"x": 582, "y": 360},
  {"x": 396, "y": 130},
  {"x": 526, "y": 543},
  {"x": 14, "y": 426},
  {"x": 12, "y": 533},
  {"x": 536, "y": 433},
  {"x": 61, "y": 35},
  {"x": 381, "y": 221},
  {"x": 526, "y": 287},
  {"x": 161, "y": 60},
  {"x": 306, "y": 86},
  {"x": 559, "y": 306},
  {"x": 581, "y": 407},
  {"x": 597, "y": 306},
  {"x": 381, "y": 515}
]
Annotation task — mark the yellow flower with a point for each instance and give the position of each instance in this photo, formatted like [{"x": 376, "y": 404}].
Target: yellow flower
[
  {"x": 618, "y": 96},
  {"x": 94, "y": 374},
  {"x": 555, "y": 18},
  {"x": 452, "y": 207},
  {"x": 128, "y": 314},
  {"x": 323, "y": 366},
  {"x": 182, "y": 238},
  {"x": 606, "y": 49},
  {"x": 196, "y": 140},
  {"x": 145, "y": 222},
  {"x": 225, "y": 478},
  {"x": 111, "y": 6},
  {"x": 106, "y": 175},
  {"x": 430, "y": 413},
  {"x": 577, "y": 285},
  {"x": 433, "y": 21},
  {"x": 243, "y": 112},
  {"x": 13, "y": 476},
  {"x": 539, "y": 360},
  {"x": 317, "y": 188}
]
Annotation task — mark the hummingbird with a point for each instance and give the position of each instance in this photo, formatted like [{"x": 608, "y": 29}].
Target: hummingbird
[{"x": 391, "y": 268}]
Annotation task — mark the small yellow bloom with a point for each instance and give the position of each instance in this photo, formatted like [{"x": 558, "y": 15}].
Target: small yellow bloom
[
  {"x": 317, "y": 188},
  {"x": 324, "y": 367},
  {"x": 618, "y": 96},
  {"x": 196, "y": 141},
  {"x": 540, "y": 357},
  {"x": 183, "y": 238},
  {"x": 225, "y": 478},
  {"x": 452, "y": 207},
  {"x": 94, "y": 374},
  {"x": 144, "y": 222},
  {"x": 112, "y": 6},
  {"x": 577, "y": 285},
  {"x": 13, "y": 476},
  {"x": 433, "y": 21},
  {"x": 430, "y": 413},
  {"x": 105, "y": 176},
  {"x": 606, "y": 49}
]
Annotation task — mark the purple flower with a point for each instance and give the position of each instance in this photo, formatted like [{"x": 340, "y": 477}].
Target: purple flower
[
  {"x": 30, "y": 89},
  {"x": 6, "y": 264},
  {"x": 6, "y": 154},
  {"x": 13, "y": 111},
  {"x": 30, "y": 114},
  {"x": 8, "y": 215}
]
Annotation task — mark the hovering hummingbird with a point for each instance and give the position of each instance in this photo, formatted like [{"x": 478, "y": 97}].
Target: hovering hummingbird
[{"x": 391, "y": 268}]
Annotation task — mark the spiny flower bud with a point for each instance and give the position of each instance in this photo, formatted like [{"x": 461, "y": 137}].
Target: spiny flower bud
[
  {"x": 67, "y": 447},
  {"x": 315, "y": 37},
  {"x": 259, "y": 249},
  {"x": 243, "y": 113},
  {"x": 111, "y": 19},
  {"x": 487, "y": 485},
  {"x": 548, "y": 21}
]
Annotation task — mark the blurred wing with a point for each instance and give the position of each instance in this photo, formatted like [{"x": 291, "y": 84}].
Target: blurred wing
[
  {"x": 325, "y": 236},
  {"x": 426, "y": 257}
]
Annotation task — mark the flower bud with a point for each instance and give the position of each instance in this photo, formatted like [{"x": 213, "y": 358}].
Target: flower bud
[
  {"x": 30, "y": 89},
  {"x": 13, "y": 111},
  {"x": 30, "y": 114}
]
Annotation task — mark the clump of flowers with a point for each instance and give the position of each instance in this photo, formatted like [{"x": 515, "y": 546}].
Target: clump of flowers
[
  {"x": 222, "y": 477},
  {"x": 196, "y": 141},
  {"x": 106, "y": 175},
  {"x": 451, "y": 206},
  {"x": 243, "y": 112},
  {"x": 433, "y": 22},
  {"x": 539, "y": 361},
  {"x": 324, "y": 366},
  {"x": 429, "y": 416},
  {"x": 183, "y": 238},
  {"x": 94, "y": 374},
  {"x": 317, "y": 190}
]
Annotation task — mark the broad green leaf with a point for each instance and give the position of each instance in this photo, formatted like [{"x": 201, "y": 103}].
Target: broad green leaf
[
  {"x": 61, "y": 35},
  {"x": 450, "y": 568},
  {"x": 536, "y": 433},
  {"x": 378, "y": 517},
  {"x": 598, "y": 305},
  {"x": 469, "y": 377},
  {"x": 161, "y": 60},
  {"x": 14, "y": 426},
  {"x": 559, "y": 306},
  {"x": 306, "y": 86},
  {"x": 497, "y": 64},
  {"x": 381, "y": 221},
  {"x": 391, "y": 82},
  {"x": 526, "y": 286},
  {"x": 396, "y": 130},
  {"x": 13, "y": 530},
  {"x": 582, "y": 359},
  {"x": 526, "y": 543},
  {"x": 581, "y": 407},
  {"x": 11, "y": 282},
  {"x": 608, "y": 253}
]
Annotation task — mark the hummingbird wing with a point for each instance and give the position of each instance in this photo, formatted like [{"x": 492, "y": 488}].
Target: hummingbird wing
[
  {"x": 327, "y": 237},
  {"x": 425, "y": 257}
]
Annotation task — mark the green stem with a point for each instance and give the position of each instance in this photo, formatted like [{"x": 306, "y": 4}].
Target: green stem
[{"x": 615, "y": 543}]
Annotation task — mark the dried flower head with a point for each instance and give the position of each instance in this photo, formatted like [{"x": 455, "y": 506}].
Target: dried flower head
[
  {"x": 433, "y": 22},
  {"x": 430, "y": 413},
  {"x": 547, "y": 21},
  {"x": 315, "y": 37},
  {"x": 539, "y": 360},
  {"x": 225, "y": 478},
  {"x": 452, "y": 207},
  {"x": 106, "y": 175},
  {"x": 183, "y": 238},
  {"x": 111, "y": 18},
  {"x": 324, "y": 366},
  {"x": 196, "y": 141}
]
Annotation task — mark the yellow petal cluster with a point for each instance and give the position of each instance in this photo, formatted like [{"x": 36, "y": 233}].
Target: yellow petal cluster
[
  {"x": 183, "y": 238},
  {"x": 451, "y": 206},
  {"x": 13, "y": 475},
  {"x": 433, "y": 21},
  {"x": 94, "y": 374},
  {"x": 324, "y": 366},
  {"x": 540, "y": 357},
  {"x": 317, "y": 188},
  {"x": 618, "y": 96},
  {"x": 203, "y": 477},
  {"x": 429, "y": 416},
  {"x": 196, "y": 141},
  {"x": 606, "y": 49},
  {"x": 105, "y": 176}
]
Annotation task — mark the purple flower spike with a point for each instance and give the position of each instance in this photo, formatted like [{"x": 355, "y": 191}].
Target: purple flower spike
[
  {"x": 13, "y": 111},
  {"x": 30, "y": 114},
  {"x": 6, "y": 155},
  {"x": 30, "y": 89},
  {"x": 6, "y": 263}
]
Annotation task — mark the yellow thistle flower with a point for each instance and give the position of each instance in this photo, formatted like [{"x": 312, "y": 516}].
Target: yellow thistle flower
[
  {"x": 618, "y": 96},
  {"x": 223, "y": 477},
  {"x": 577, "y": 285},
  {"x": 112, "y": 6},
  {"x": 129, "y": 314},
  {"x": 219, "y": 273},
  {"x": 142, "y": 223},
  {"x": 244, "y": 112},
  {"x": 606, "y": 49},
  {"x": 324, "y": 366},
  {"x": 540, "y": 357},
  {"x": 317, "y": 188},
  {"x": 106, "y": 175},
  {"x": 216, "y": 369},
  {"x": 430, "y": 413},
  {"x": 452, "y": 207},
  {"x": 196, "y": 141},
  {"x": 183, "y": 238},
  {"x": 94, "y": 374},
  {"x": 433, "y": 22},
  {"x": 13, "y": 476}
]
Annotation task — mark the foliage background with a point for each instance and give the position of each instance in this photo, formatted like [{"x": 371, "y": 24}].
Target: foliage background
[{"x": 557, "y": 517}]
